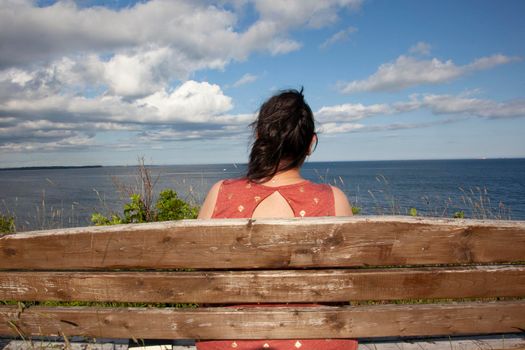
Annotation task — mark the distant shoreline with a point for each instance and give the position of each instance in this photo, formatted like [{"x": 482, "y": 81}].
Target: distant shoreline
[
  {"x": 244, "y": 163},
  {"x": 52, "y": 167}
]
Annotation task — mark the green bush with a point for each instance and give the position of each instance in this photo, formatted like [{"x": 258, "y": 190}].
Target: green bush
[
  {"x": 459, "y": 214},
  {"x": 170, "y": 207},
  {"x": 101, "y": 220},
  {"x": 7, "y": 224},
  {"x": 167, "y": 207},
  {"x": 135, "y": 211}
]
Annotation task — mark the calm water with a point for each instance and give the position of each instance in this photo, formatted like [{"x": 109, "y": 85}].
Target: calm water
[{"x": 67, "y": 197}]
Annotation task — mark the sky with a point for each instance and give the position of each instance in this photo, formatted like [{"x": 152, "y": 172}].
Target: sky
[{"x": 178, "y": 82}]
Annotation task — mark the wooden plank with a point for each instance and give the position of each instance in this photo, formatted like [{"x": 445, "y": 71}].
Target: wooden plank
[
  {"x": 290, "y": 243},
  {"x": 70, "y": 345},
  {"x": 266, "y": 322},
  {"x": 265, "y": 286}
]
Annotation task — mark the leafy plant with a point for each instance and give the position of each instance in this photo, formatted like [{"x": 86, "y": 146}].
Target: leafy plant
[
  {"x": 356, "y": 210},
  {"x": 7, "y": 224},
  {"x": 170, "y": 207},
  {"x": 100, "y": 220},
  {"x": 459, "y": 214},
  {"x": 136, "y": 211},
  {"x": 167, "y": 207},
  {"x": 412, "y": 212},
  {"x": 142, "y": 206}
]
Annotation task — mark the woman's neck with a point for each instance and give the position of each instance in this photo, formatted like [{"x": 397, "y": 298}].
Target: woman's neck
[{"x": 287, "y": 177}]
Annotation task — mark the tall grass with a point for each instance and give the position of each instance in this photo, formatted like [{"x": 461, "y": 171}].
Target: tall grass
[
  {"x": 478, "y": 202},
  {"x": 43, "y": 216},
  {"x": 143, "y": 184},
  {"x": 473, "y": 203}
]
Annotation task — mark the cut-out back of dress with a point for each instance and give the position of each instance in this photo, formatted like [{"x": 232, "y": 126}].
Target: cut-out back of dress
[{"x": 239, "y": 198}]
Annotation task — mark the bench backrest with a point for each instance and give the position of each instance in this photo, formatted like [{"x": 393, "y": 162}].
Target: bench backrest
[{"x": 410, "y": 261}]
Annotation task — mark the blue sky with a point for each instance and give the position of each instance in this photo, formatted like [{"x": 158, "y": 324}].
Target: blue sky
[{"x": 103, "y": 82}]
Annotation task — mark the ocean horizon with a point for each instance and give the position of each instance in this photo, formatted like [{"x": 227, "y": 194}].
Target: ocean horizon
[{"x": 61, "y": 166}]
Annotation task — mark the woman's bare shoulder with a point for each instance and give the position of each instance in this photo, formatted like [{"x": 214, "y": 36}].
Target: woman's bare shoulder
[
  {"x": 216, "y": 186},
  {"x": 206, "y": 211},
  {"x": 342, "y": 205}
]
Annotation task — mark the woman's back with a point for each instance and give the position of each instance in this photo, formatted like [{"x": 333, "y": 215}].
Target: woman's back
[{"x": 241, "y": 198}]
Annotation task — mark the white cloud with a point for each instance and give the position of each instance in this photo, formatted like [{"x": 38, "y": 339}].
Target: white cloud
[
  {"x": 192, "y": 32},
  {"x": 341, "y": 35},
  {"x": 171, "y": 134},
  {"x": 409, "y": 71},
  {"x": 192, "y": 102},
  {"x": 69, "y": 73},
  {"x": 459, "y": 105},
  {"x": 339, "y": 128},
  {"x": 76, "y": 142},
  {"x": 421, "y": 48},
  {"x": 201, "y": 111},
  {"x": 16, "y": 76},
  {"x": 490, "y": 61},
  {"x": 282, "y": 46},
  {"x": 31, "y": 34},
  {"x": 350, "y": 112},
  {"x": 245, "y": 79},
  {"x": 341, "y": 118},
  {"x": 40, "y": 122},
  {"x": 136, "y": 75},
  {"x": 404, "y": 72},
  {"x": 314, "y": 13},
  {"x": 464, "y": 104},
  {"x": 451, "y": 105}
]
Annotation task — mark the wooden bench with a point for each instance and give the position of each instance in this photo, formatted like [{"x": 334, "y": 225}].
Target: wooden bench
[{"x": 411, "y": 261}]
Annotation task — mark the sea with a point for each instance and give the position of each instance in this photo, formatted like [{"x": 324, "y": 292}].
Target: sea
[{"x": 473, "y": 188}]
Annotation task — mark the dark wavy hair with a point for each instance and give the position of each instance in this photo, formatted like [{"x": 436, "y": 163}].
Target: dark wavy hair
[{"x": 283, "y": 132}]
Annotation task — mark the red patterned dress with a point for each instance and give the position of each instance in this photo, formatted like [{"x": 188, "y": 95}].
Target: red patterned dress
[{"x": 238, "y": 198}]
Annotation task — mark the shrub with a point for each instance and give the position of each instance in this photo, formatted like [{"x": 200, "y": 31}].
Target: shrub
[
  {"x": 459, "y": 214},
  {"x": 167, "y": 207},
  {"x": 141, "y": 206},
  {"x": 7, "y": 224},
  {"x": 170, "y": 207}
]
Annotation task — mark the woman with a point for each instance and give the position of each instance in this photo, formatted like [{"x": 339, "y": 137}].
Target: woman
[{"x": 273, "y": 187}]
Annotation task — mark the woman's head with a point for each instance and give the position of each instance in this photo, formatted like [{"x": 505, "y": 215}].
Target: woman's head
[{"x": 284, "y": 131}]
